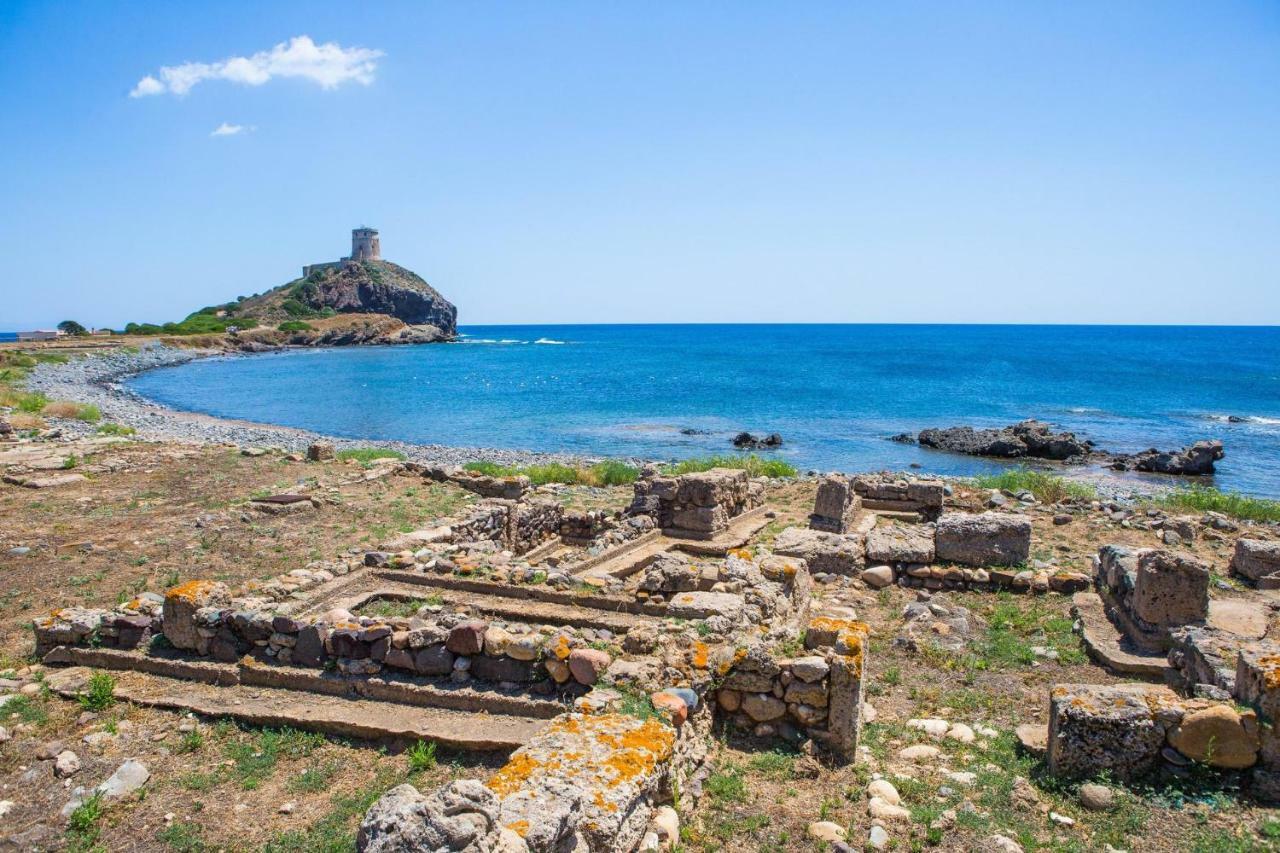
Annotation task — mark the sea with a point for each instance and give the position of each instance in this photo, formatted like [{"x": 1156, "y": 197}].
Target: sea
[{"x": 835, "y": 393}]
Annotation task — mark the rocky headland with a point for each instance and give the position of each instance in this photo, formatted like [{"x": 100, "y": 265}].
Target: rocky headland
[{"x": 1033, "y": 439}]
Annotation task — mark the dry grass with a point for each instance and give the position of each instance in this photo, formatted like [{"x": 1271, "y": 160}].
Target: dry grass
[{"x": 24, "y": 420}]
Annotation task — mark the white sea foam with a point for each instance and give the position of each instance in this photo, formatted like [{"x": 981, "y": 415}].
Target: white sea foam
[{"x": 547, "y": 341}]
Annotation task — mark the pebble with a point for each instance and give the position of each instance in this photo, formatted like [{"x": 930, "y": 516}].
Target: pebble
[
  {"x": 1097, "y": 798},
  {"x": 961, "y": 732},
  {"x": 287, "y": 808},
  {"x": 884, "y": 789},
  {"x": 1003, "y": 844},
  {"x": 919, "y": 752},
  {"x": 931, "y": 726},
  {"x": 877, "y": 807},
  {"x": 1061, "y": 819},
  {"x": 878, "y": 838},
  {"x": 66, "y": 764},
  {"x": 666, "y": 823},
  {"x": 825, "y": 830}
]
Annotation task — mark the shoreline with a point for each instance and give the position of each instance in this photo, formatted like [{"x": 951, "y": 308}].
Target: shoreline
[{"x": 98, "y": 379}]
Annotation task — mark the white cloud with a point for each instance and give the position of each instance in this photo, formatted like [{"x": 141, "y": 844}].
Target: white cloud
[
  {"x": 226, "y": 129},
  {"x": 329, "y": 64}
]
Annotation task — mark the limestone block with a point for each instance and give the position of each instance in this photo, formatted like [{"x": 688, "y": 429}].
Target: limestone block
[
  {"x": 586, "y": 782},
  {"x": 831, "y": 553},
  {"x": 1255, "y": 559},
  {"x": 1095, "y": 729},
  {"x": 986, "y": 539},
  {"x": 1172, "y": 589},
  {"x": 462, "y": 816},
  {"x": 836, "y": 506},
  {"x": 1258, "y": 679},
  {"x": 703, "y": 605},
  {"x": 181, "y": 604},
  {"x": 1218, "y": 736},
  {"x": 901, "y": 543}
]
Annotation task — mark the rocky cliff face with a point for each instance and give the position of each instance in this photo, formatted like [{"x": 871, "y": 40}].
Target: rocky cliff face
[
  {"x": 379, "y": 287},
  {"x": 371, "y": 288}
]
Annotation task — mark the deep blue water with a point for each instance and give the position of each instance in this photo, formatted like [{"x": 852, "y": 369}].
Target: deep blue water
[{"x": 834, "y": 392}]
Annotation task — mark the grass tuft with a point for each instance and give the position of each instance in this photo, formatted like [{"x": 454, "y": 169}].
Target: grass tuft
[
  {"x": 607, "y": 473},
  {"x": 1206, "y": 499},
  {"x": 101, "y": 693},
  {"x": 1048, "y": 488},
  {"x": 115, "y": 429},
  {"x": 368, "y": 454},
  {"x": 422, "y": 756},
  {"x": 756, "y": 466}
]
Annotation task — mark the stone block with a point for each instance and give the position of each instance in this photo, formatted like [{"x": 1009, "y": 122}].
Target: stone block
[
  {"x": 587, "y": 782},
  {"x": 901, "y": 543},
  {"x": 1171, "y": 589},
  {"x": 986, "y": 539},
  {"x": 467, "y": 638},
  {"x": 703, "y": 605},
  {"x": 1113, "y": 729},
  {"x": 1255, "y": 559},
  {"x": 830, "y": 553},
  {"x": 434, "y": 659},
  {"x": 837, "y": 505},
  {"x": 1258, "y": 679},
  {"x": 496, "y": 669},
  {"x": 181, "y": 604}
]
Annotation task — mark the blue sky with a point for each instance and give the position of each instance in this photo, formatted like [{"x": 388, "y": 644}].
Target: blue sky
[{"x": 650, "y": 162}]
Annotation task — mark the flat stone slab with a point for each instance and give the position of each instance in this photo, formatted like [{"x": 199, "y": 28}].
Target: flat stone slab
[
  {"x": 361, "y": 718},
  {"x": 48, "y": 482},
  {"x": 1242, "y": 618},
  {"x": 1107, "y": 645}
]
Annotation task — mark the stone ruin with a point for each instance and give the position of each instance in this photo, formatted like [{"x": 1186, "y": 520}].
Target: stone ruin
[
  {"x": 1219, "y": 704},
  {"x": 598, "y": 647},
  {"x": 886, "y": 529}
]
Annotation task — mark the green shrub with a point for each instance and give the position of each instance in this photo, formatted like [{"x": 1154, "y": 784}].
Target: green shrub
[
  {"x": 101, "y": 693},
  {"x": 1047, "y": 488},
  {"x": 368, "y": 454},
  {"x": 491, "y": 469},
  {"x": 32, "y": 403},
  {"x": 115, "y": 429},
  {"x": 422, "y": 755},
  {"x": 754, "y": 465},
  {"x": 88, "y": 413},
  {"x": 83, "y": 822},
  {"x": 295, "y": 326},
  {"x": 1206, "y": 499},
  {"x": 613, "y": 473},
  {"x": 294, "y": 308}
]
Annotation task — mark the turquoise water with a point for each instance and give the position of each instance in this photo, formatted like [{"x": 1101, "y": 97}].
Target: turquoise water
[{"x": 835, "y": 393}]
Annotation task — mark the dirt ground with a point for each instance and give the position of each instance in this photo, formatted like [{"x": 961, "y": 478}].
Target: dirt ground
[{"x": 150, "y": 516}]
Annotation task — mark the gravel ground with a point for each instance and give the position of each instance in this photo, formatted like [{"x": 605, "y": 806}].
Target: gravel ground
[{"x": 99, "y": 380}]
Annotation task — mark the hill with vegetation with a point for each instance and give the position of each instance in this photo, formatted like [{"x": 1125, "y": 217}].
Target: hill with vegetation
[{"x": 382, "y": 299}]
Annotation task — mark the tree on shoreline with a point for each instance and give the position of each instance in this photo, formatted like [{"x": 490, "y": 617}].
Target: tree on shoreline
[{"x": 71, "y": 327}]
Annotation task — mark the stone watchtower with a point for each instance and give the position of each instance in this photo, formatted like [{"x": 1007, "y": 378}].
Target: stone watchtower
[{"x": 364, "y": 245}]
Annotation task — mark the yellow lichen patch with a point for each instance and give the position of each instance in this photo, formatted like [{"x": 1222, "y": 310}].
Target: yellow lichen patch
[
  {"x": 512, "y": 775},
  {"x": 602, "y": 803},
  {"x": 741, "y": 554},
  {"x": 561, "y": 648},
  {"x": 700, "y": 654},
  {"x": 1270, "y": 666},
  {"x": 189, "y": 591},
  {"x": 519, "y": 827}
]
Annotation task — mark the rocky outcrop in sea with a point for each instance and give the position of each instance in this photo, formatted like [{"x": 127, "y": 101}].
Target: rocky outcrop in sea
[{"x": 1032, "y": 439}]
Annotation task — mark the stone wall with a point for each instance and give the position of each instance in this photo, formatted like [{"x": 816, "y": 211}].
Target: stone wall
[
  {"x": 1258, "y": 561},
  {"x": 818, "y": 696},
  {"x": 900, "y": 494},
  {"x": 1130, "y": 730},
  {"x": 696, "y": 506},
  {"x": 1149, "y": 592}
]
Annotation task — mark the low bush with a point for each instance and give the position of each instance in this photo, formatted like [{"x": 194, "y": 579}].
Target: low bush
[
  {"x": 32, "y": 403},
  {"x": 100, "y": 693},
  {"x": 754, "y": 465},
  {"x": 295, "y": 326},
  {"x": 1047, "y": 488},
  {"x": 115, "y": 429}
]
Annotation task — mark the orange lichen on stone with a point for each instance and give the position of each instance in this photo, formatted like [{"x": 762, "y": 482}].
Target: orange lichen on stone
[
  {"x": 1270, "y": 666},
  {"x": 189, "y": 591},
  {"x": 519, "y": 827},
  {"x": 700, "y": 654},
  {"x": 561, "y": 648},
  {"x": 512, "y": 775},
  {"x": 741, "y": 553}
]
